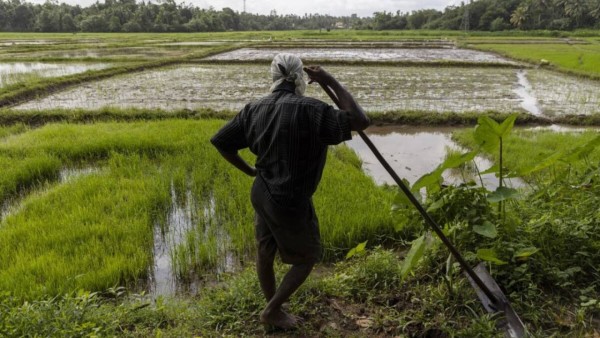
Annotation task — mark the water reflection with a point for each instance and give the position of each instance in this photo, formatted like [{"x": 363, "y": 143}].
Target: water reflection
[
  {"x": 180, "y": 220},
  {"x": 415, "y": 151},
  {"x": 524, "y": 90}
]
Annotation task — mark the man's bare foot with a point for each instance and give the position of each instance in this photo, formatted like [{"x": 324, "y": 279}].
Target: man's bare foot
[{"x": 280, "y": 319}]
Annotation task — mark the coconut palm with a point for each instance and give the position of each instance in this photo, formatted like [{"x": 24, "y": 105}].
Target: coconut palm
[{"x": 519, "y": 16}]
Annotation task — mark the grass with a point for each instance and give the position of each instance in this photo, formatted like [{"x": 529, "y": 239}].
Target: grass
[
  {"x": 101, "y": 219},
  {"x": 34, "y": 118},
  {"x": 90, "y": 234},
  {"x": 19, "y": 119},
  {"x": 525, "y": 149},
  {"x": 365, "y": 290},
  {"x": 574, "y": 59}
]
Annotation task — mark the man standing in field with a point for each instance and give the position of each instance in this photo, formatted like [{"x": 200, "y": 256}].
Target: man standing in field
[{"x": 289, "y": 133}]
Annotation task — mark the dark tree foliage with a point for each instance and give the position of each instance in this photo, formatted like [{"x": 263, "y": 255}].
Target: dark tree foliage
[{"x": 169, "y": 16}]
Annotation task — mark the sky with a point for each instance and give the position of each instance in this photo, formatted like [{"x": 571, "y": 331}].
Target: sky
[{"x": 333, "y": 7}]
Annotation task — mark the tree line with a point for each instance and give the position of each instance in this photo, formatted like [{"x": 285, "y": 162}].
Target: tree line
[
  {"x": 169, "y": 16},
  {"x": 497, "y": 15}
]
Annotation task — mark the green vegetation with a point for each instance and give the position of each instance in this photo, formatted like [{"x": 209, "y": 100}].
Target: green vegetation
[
  {"x": 334, "y": 305},
  {"x": 576, "y": 59},
  {"x": 75, "y": 251},
  {"x": 416, "y": 118},
  {"x": 96, "y": 232},
  {"x": 526, "y": 148}
]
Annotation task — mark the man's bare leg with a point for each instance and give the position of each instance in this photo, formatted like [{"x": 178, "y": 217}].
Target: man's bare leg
[
  {"x": 273, "y": 314},
  {"x": 266, "y": 273}
]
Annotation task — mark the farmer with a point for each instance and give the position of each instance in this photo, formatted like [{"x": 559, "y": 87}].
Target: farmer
[{"x": 289, "y": 133}]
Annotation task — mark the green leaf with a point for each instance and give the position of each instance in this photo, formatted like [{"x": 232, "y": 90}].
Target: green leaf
[
  {"x": 491, "y": 170},
  {"x": 359, "y": 249},
  {"x": 490, "y": 124},
  {"x": 417, "y": 250},
  {"x": 502, "y": 194},
  {"x": 525, "y": 253},
  {"x": 430, "y": 179},
  {"x": 485, "y": 136},
  {"x": 436, "y": 205},
  {"x": 454, "y": 160},
  {"x": 489, "y": 255},
  {"x": 589, "y": 303},
  {"x": 507, "y": 125},
  {"x": 401, "y": 201},
  {"x": 487, "y": 229}
]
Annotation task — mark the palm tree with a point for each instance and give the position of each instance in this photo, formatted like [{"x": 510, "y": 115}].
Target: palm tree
[
  {"x": 594, "y": 7},
  {"x": 519, "y": 16},
  {"x": 575, "y": 9}
]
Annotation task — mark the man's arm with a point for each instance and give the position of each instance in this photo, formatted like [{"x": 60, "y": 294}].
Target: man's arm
[
  {"x": 238, "y": 162},
  {"x": 358, "y": 118}
]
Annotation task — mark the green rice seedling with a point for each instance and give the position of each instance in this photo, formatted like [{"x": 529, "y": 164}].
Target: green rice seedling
[
  {"x": 21, "y": 173},
  {"x": 90, "y": 234},
  {"x": 14, "y": 129},
  {"x": 149, "y": 164},
  {"x": 569, "y": 58},
  {"x": 90, "y": 142}
]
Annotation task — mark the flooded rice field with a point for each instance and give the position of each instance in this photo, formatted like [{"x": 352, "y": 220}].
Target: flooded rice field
[
  {"x": 195, "y": 43},
  {"x": 415, "y": 151},
  {"x": 181, "y": 219},
  {"x": 14, "y": 72},
  {"x": 188, "y": 222},
  {"x": 559, "y": 94},
  {"x": 232, "y": 86},
  {"x": 409, "y": 43},
  {"x": 26, "y": 42},
  {"x": 106, "y": 53},
  {"x": 366, "y": 54}
]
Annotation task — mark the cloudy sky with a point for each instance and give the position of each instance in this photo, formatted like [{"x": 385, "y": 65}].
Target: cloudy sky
[{"x": 333, "y": 7}]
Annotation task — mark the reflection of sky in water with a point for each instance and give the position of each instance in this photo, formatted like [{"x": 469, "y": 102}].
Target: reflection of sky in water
[
  {"x": 413, "y": 152},
  {"x": 410, "y": 153},
  {"x": 524, "y": 90},
  {"x": 15, "y": 71}
]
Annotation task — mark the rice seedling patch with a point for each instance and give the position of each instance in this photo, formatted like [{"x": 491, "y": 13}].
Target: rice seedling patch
[
  {"x": 13, "y": 200},
  {"x": 165, "y": 209},
  {"x": 559, "y": 94}
]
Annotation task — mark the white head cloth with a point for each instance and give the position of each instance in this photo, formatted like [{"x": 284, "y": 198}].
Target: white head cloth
[{"x": 288, "y": 67}]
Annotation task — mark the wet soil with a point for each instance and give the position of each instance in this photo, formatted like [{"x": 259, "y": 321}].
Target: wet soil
[{"x": 232, "y": 86}]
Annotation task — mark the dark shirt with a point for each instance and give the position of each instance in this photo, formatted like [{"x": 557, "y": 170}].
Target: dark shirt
[{"x": 289, "y": 134}]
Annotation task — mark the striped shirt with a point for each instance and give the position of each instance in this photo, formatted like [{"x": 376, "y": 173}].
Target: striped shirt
[{"x": 289, "y": 134}]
